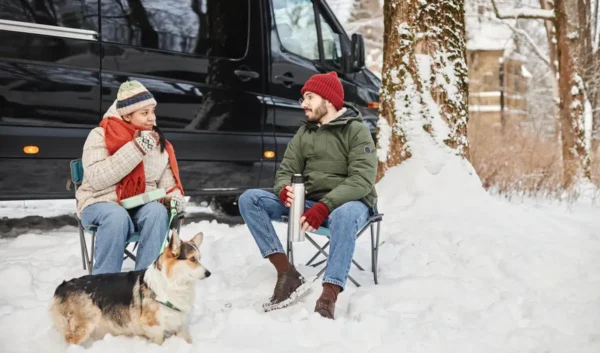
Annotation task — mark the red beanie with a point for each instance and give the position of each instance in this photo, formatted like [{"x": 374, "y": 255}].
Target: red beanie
[{"x": 327, "y": 86}]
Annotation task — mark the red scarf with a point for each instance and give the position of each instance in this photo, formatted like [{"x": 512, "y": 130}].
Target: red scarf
[{"x": 117, "y": 132}]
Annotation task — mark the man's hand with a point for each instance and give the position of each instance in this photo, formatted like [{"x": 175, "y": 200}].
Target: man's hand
[
  {"x": 286, "y": 196},
  {"x": 312, "y": 219}
]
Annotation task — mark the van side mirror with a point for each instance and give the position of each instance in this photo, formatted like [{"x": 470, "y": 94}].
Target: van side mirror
[{"x": 358, "y": 52}]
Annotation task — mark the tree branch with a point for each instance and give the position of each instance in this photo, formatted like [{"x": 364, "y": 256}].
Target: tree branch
[
  {"x": 525, "y": 13},
  {"x": 531, "y": 43}
]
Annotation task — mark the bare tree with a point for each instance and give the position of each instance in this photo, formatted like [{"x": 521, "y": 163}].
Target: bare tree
[
  {"x": 367, "y": 18},
  {"x": 576, "y": 161},
  {"x": 563, "y": 41},
  {"x": 424, "y": 80}
]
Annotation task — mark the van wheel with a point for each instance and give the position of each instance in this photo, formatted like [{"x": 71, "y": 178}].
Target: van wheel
[{"x": 226, "y": 205}]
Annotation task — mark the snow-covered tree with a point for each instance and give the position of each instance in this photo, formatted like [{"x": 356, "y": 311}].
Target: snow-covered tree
[
  {"x": 564, "y": 60},
  {"x": 576, "y": 161},
  {"x": 424, "y": 81}
]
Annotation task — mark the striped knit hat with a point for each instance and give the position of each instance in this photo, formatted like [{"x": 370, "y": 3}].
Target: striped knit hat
[{"x": 133, "y": 96}]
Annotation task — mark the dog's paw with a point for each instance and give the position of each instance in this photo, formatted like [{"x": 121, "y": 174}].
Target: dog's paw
[{"x": 185, "y": 335}]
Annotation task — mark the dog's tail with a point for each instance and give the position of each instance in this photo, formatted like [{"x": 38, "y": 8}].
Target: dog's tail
[{"x": 59, "y": 314}]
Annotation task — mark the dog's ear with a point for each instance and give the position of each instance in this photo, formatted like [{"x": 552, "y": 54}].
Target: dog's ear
[
  {"x": 197, "y": 239},
  {"x": 175, "y": 244}
]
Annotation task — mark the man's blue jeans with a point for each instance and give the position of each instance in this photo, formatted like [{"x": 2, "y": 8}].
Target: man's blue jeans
[
  {"x": 258, "y": 208},
  {"x": 116, "y": 225}
]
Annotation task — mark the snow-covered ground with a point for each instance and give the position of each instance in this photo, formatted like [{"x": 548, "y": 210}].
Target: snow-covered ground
[{"x": 460, "y": 271}]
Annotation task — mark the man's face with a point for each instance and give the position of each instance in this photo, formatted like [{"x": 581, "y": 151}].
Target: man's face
[{"x": 314, "y": 107}]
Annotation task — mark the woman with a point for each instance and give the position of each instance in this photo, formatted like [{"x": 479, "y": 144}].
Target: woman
[{"x": 119, "y": 162}]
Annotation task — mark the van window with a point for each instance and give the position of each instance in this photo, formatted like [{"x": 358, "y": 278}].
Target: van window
[
  {"x": 332, "y": 47},
  {"x": 295, "y": 21},
  {"x": 214, "y": 28},
  {"x": 78, "y": 14}
]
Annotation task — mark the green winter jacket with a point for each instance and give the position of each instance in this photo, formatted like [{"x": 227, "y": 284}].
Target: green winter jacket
[{"x": 339, "y": 159}]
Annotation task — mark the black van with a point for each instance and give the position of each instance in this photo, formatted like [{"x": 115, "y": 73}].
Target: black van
[{"x": 226, "y": 74}]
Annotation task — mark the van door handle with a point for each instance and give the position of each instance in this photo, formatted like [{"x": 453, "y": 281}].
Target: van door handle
[
  {"x": 287, "y": 79},
  {"x": 246, "y": 75}
]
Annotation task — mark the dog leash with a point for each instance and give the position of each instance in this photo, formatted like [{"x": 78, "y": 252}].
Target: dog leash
[
  {"x": 173, "y": 214},
  {"x": 152, "y": 296}
]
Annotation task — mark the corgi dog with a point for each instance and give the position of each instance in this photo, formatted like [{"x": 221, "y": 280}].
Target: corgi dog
[{"x": 153, "y": 303}]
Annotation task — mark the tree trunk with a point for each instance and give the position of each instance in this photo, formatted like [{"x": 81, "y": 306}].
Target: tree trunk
[
  {"x": 424, "y": 80},
  {"x": 576, "y": 162},
  {"x": 551, "y": 35}
]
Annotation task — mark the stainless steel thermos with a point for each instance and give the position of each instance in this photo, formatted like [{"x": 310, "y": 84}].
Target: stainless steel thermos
[{"x": 297, "y": 209}]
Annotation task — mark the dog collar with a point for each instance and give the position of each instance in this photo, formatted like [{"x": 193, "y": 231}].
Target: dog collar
[{"x": 168, "y": 304}]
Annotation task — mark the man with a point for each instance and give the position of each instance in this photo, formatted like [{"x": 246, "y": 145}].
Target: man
[{"x": 335, "y": 150}]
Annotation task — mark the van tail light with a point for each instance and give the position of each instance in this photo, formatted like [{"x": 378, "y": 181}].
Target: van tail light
[{"x": 31, "y": 149}]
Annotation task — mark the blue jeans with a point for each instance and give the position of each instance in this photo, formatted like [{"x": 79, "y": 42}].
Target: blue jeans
[
  {"x": 116, "y": 225},
  {"x": 258, "y": 208}
]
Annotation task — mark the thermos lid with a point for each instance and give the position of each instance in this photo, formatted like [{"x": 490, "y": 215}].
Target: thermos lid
[{"x": 297, "y": 179}]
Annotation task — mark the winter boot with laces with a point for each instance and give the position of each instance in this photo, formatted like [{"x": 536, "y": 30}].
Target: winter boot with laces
[{"x": 289, "y": 287}]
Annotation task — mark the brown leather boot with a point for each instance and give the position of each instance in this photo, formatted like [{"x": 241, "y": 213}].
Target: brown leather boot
[
  {"x": 325, "y": 307},
  {"x": 288, "y": 288},
  {"x": 326, "y": 303}
]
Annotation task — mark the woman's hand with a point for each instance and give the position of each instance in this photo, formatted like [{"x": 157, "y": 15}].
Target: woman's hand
[
  {"x": 146, "y": 142},
  {"x": 179, "y": 203}
]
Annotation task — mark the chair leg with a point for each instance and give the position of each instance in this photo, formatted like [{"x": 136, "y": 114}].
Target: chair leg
[
  {"x": 375, "y": 250},
  {"x": 129, "y": 254},
  {"x": 321, "y": 250},
  {"x": 82, "y": 245},
  {"x": 357, "y": 265},
  {"x": 349, "y": 277},
  {"x": 91, "y": 260},
  {"x": 319, "y": 263},
  {"x": 353, "y": 281},
  {"x": 317, "y": 255}
]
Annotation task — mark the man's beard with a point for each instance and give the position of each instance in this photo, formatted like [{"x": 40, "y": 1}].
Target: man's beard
[{"x": 318, "y": 114}]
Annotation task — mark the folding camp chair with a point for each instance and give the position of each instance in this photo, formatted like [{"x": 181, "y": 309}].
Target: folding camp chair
[
  {"x": 373, "y": 222},
  {"x": 87, "y": 258}
]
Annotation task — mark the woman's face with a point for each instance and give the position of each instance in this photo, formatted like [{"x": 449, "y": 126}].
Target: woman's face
[{"x": 143, "y": 117}]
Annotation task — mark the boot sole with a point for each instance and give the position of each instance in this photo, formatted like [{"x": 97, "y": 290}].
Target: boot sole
[{"x": 300, "y": 291}]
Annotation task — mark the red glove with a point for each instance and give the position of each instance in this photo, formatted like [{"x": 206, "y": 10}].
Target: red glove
[
  {"x": 283, "y": 196},
  {"x": 316, "y": 215}
]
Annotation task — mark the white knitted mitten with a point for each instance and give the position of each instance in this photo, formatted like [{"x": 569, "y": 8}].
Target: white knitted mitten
[{"x": 146, "y": 143}]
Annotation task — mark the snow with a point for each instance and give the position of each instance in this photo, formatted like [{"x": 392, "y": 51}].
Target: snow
[
  {"x": 588, "y": 120},
  {"x": 527, "y": 13},
  {"x": 54, "y": 208},
  {"x": 459, "y": 271},
  {"x": 485, "y": 94},
  {"x": 384, "y": 139},
  {"x": 43, "y": 208}
]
